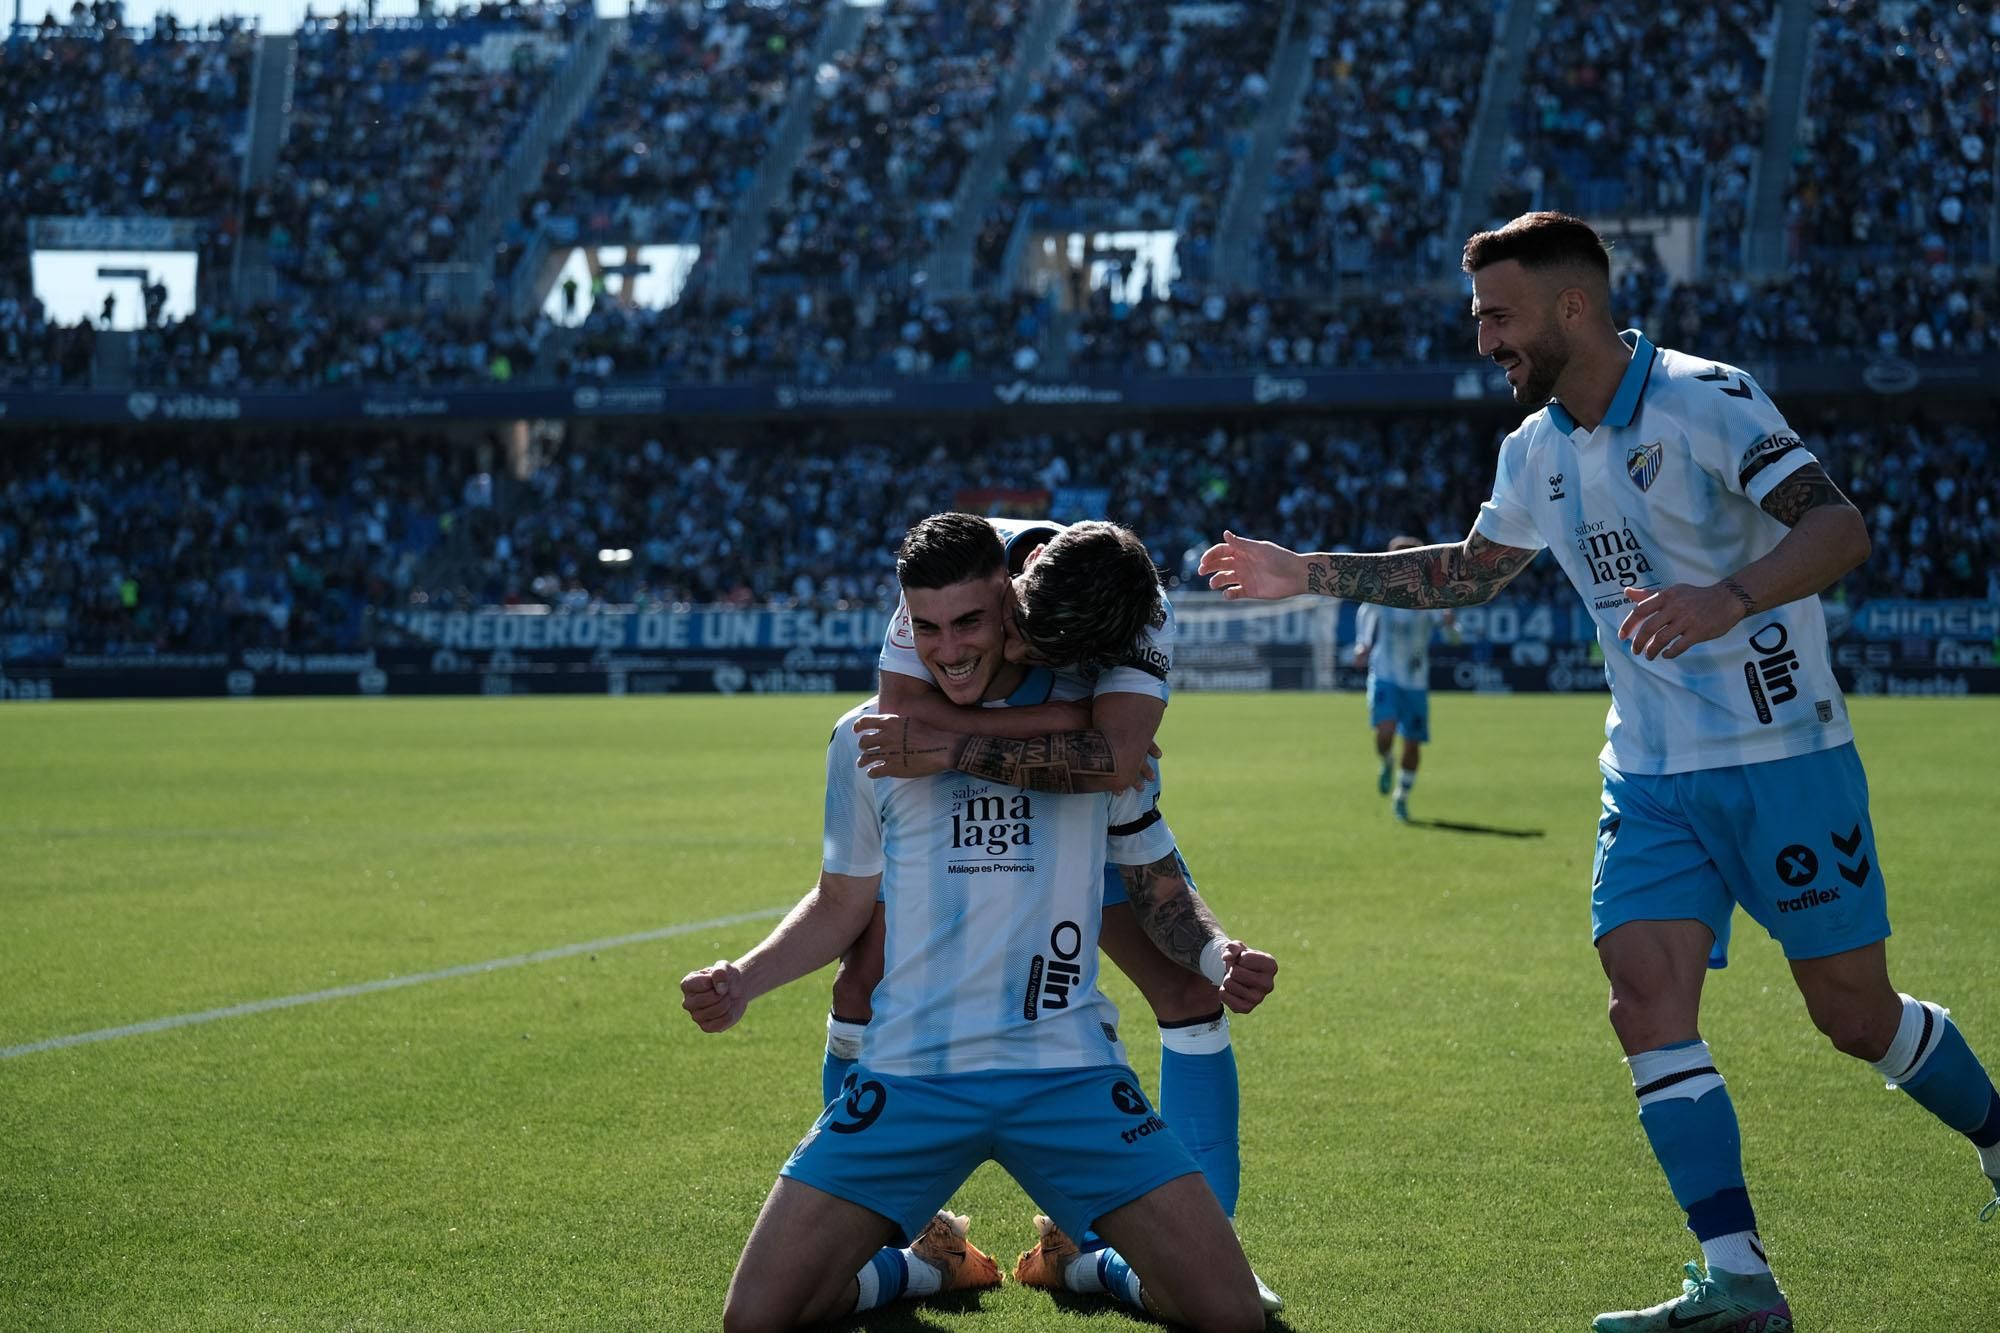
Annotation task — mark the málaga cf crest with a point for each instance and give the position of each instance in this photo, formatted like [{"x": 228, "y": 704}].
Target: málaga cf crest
[{"x": 1642, "y": 464}]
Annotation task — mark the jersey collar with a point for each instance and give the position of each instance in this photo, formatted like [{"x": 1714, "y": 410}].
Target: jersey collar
[
  {"x": 1035, "y": 688},
  {"x": 1624, "y": 403}
]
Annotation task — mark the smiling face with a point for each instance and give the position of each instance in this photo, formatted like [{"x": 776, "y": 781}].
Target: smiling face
[
  {"x": 1522, "y": 326},
  {"x": 960, "y": 630}
]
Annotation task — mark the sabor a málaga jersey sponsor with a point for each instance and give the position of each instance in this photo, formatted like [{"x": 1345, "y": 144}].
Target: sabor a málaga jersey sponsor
[
  {"x": 1667, "y": 490},
  {"x": 992, "y": 897},
  {"x": 1145, "y": 672},
  {"x": 1400, "y": 643}
]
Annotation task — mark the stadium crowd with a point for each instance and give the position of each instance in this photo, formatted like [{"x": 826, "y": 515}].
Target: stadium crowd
[
  {"x": 1902, "y": 114},
  {"x": 158, "y": 543},
  {"x": 396, "y": 131},
  {"x": 1631, "y": 109},
  {"x": 1860, "y": 313},
  {"x": 1366, "y": 181},
  {"x": 675, "y": 132},
  {"x": 899, "y": 115},
  {"x": 1136, "y": 123},
  {"x": 102, "y": 120}
]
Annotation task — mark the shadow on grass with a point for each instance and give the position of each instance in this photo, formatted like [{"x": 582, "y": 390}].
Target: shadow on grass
[
  {"x": 1489, "y": 830},
  {"x": 914, "y": 1316},
  {"x": 909, "y": 1316}
]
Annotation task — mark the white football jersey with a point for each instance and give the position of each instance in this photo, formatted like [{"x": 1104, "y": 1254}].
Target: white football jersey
[
  {"x": 1399, "y": 640},
  {"x": 1666, "y": 490},
  {"x": 992, "y": 897},
  {"x": 1145, "y": 672}
]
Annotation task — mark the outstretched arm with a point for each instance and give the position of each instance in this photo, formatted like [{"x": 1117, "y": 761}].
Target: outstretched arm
[
  {"x": 1177, "y": 921},
  {"x": 1828, "y": 537},
  {"x": 819, "y": 930},
  {"x": 1423, "y": 577}
]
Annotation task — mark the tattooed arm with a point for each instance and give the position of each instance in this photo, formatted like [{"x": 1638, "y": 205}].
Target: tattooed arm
[
  {"x": 1423, "y": 577},
  {"x": 1179, "y": 923},
  {"x": 1099, "y": 745},
  {"x": 1828, "y": 537}
]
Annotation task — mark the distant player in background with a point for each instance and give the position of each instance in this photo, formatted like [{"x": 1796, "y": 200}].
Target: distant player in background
[
  {"x": 1394, "y": 644},
  {"x": 1699, "y": 532}
]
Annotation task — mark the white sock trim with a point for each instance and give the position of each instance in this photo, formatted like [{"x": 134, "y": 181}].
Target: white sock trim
[
  {"x": 1685, "y": 1071},
  {"x": 843, "y": 1039},
  {"x": 1740, "y": 1252},
  {"x": 1210, "y": 1038},
  {"x": 1918, "y": 1035},
  {"x": 1081, "y": 1275},
  {"x": 925, "y": 1280},
  {"x": 870, "y": 1294}
]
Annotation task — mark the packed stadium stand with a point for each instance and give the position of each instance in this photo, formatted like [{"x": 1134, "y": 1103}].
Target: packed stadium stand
[
  {"x": 679, "y": 126},
  {"x": 1904, "y": 107},
  {"x": 1644, "y": 109},
  {"x": 1368, "y": 174},
  {"x": 928, "y": 196},
  {"x": 113, "y": 542}
]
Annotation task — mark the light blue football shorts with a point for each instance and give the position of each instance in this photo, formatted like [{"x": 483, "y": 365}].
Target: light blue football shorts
[
  {"x": 1788, "y": 839},
  {"x": 1410, "y": 710},
  {"x": 1081, "y": 1142}
]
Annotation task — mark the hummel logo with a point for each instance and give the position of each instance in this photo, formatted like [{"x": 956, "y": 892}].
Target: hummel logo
[
  {"x": 1741, "y": 389},
  {"x": 1556, "y": 486}
]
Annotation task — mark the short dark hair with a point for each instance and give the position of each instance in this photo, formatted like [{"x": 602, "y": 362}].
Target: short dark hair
[
  {"x": 949, "y": 548},
  {"x": 1089, "y": 598},
  {"x": 1539, "y": 241}
]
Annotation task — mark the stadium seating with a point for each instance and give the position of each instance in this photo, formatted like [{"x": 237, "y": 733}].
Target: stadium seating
[
  {"x": 676, "y": 131},
  {"x": 1902, "y": 114},
  {"x": 898, "y": 117},
  {"x": 163, "y": 543},
  {"x": 1641, "y": 109},
  {"x": 395, "y": 131},
  {"x": 1137, "y": 122},
  {"x": 107, "y": 122},
  {"x": 1366, "y": 181}
]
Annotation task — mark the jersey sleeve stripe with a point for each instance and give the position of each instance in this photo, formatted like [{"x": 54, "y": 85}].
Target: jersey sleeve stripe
[
  {"x": 1139, "y": 825},
  {"x": 1764, "y": 453}
]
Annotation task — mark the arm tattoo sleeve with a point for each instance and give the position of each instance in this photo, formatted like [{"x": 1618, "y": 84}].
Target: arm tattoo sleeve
[
  {"x": 1170, "y": 912},
  {"x": 1426, "y": 577},
  {"x": 1808, "y": 488},
  {"x": 1043, "y": 763}
]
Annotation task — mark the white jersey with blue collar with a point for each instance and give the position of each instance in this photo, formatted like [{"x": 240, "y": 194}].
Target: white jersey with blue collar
[
  {"x": 992, "y": 898},
  {"x": 1145, "y": 672},
  {"x": 1667, "y": 490}
]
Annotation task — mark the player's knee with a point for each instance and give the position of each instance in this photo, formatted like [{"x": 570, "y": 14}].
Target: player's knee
[
  {"x": 1855, "y": 1031},
  {"x": 754, "y": 1312}
]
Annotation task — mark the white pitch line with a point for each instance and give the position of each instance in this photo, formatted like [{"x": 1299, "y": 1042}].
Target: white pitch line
[{"x": 387, "y": 983}]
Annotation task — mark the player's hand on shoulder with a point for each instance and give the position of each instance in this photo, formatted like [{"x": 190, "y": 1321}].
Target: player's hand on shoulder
[
  {"x": 1244, "y": 567},
  {"x": 1666, "y": 622},
  {"x": 1252, "y": 975},
  {"x": 714, "y": 997},
  {"x": 893, "y": 746}
]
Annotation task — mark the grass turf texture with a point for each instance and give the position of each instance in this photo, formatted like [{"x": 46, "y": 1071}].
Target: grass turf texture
[{"x": 1438, "y": 1133}]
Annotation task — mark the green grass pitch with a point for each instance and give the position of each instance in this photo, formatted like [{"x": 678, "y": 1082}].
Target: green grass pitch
[{"x": 1438, "y": 1134}]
